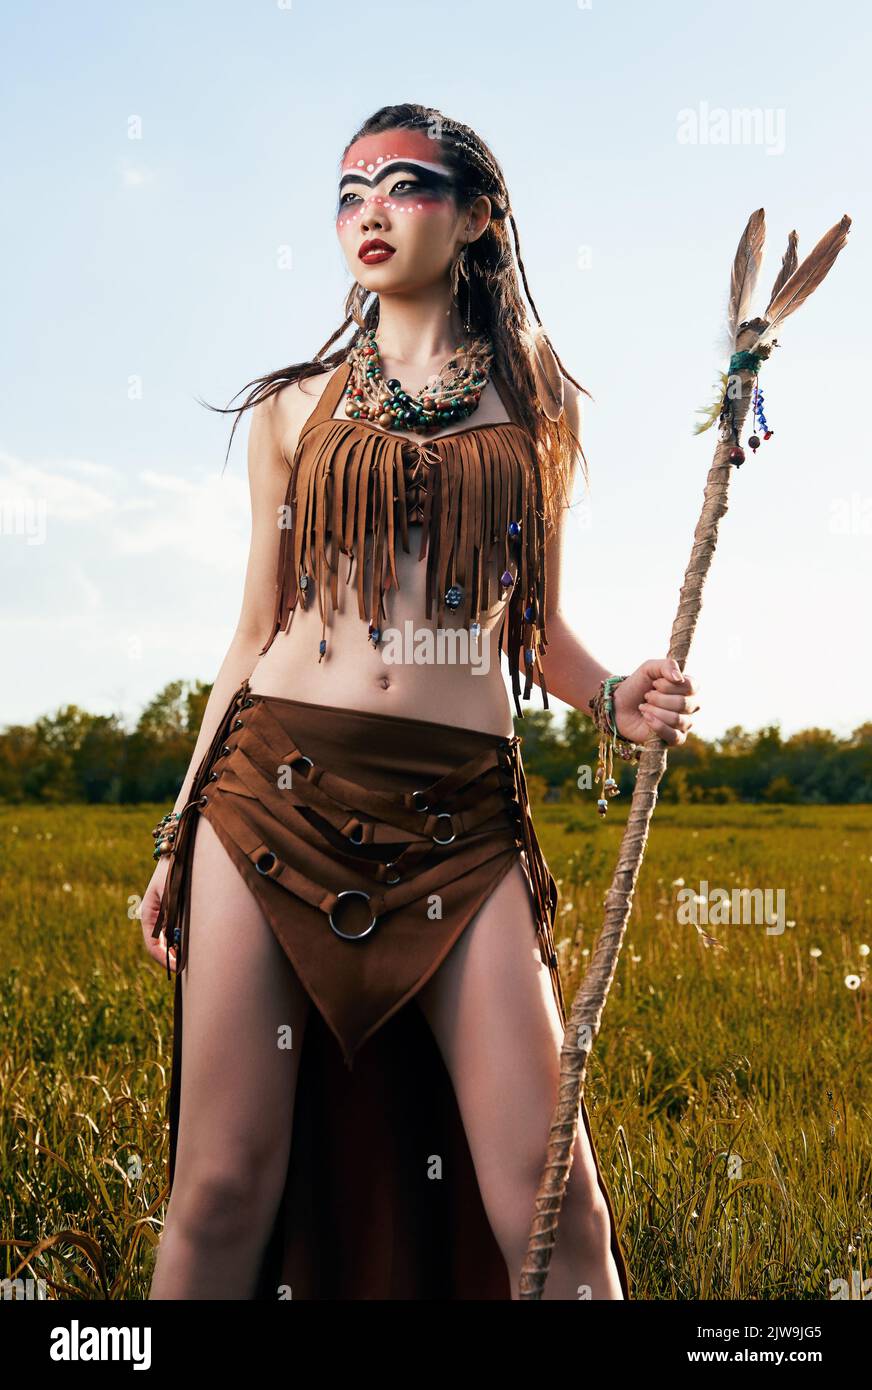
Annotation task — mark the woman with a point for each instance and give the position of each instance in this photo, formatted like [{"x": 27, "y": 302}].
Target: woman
[{"x": 354, "y": 830}]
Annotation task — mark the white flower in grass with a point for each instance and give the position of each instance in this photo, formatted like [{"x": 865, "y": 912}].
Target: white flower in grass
[
  {"x": 678, "y": 883},
  {"x": 815, "y": 952},
  {"x": 852, "y": 981},
  {"x": 68, "y": 888},
  {"x": 864, "y": 950}
]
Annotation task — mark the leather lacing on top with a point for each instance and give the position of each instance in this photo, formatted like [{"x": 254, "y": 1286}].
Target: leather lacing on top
[{"x": 415, "y": 472}]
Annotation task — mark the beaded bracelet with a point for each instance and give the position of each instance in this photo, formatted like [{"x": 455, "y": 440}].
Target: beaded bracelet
[
  {"x": 603, "y": 706},
  {"x": 163, "y": 837}
]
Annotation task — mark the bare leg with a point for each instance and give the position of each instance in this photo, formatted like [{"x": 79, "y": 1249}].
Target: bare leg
[
  {"x": 244, "y": 1013},
  {"x": 493, "y": 1014}
]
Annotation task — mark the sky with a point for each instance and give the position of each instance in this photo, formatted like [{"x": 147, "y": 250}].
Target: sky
[{"x": 168, "y": 182}]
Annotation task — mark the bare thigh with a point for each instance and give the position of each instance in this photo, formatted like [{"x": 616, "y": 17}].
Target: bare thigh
[
  {"x": 492, "y": 1010},
  {"x": 244, "y": 1015}
]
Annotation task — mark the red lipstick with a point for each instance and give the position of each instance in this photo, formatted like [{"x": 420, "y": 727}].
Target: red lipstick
[{"x": 374, "y": 251}]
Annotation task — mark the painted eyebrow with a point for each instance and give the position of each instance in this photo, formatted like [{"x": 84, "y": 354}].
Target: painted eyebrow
[{"x": 390, "y": 171}]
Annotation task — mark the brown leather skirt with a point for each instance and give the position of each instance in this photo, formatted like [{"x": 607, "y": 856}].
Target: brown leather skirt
[{"x": 370, "y": 842}]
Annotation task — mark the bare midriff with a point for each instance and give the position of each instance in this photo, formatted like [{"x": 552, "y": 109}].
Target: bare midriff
[{"x": 422, "y": 668}]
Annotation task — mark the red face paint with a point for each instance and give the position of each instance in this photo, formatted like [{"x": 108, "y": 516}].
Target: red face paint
[{"x": 402, "y": 169}]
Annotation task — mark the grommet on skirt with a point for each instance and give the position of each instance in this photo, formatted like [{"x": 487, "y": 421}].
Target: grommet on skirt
[{"x": 370, "y": 843}]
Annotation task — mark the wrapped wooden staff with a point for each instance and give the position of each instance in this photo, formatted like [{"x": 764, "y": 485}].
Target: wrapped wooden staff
[{"x": 751, "y": 341}]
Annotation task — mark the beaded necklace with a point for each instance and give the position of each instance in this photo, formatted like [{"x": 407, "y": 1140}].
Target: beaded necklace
[{"x": 451, "y": 394}]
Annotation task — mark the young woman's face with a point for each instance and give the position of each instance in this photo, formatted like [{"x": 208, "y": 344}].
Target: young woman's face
[{"x": 395, "y": 188}]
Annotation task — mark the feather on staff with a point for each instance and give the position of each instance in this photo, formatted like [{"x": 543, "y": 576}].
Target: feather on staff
[
  {"x": 787, "y": 298},
  {"x": 743, "y": 280},
  {"x": 789, "y": 262},
  {"x": 746, "y": 268}
]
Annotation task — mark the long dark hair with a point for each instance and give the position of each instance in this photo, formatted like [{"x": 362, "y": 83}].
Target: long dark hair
[{"x": 495, "y": 305}]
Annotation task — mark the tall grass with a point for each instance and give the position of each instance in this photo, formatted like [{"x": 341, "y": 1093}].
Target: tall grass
[{"x": 726, "y": 1088}]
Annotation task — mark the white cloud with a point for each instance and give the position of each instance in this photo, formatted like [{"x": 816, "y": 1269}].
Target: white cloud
[
  {"x": 65, "y": 496},
  {"x": 203, "y": 520}
]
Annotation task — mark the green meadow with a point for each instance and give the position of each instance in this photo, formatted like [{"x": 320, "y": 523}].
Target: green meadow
[{"x": 727, "y": 1089}]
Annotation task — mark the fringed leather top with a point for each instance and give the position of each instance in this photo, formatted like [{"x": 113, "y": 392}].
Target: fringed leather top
[{"x": 476, "y": 494}]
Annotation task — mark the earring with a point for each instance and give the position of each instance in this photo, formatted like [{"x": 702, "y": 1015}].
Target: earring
[
  {"x": 461, "y": 268},
  {"x": 354, "y": 303}
]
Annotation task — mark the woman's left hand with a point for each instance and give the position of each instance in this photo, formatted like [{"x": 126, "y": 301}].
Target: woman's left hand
[{"x": 656, "y": 699}]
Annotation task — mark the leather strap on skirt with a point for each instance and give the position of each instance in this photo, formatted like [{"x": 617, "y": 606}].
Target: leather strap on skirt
[{"x": 466, "y": 817}]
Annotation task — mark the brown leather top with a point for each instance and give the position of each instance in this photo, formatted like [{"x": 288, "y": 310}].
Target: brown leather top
[{"x": 476, "y": 494}]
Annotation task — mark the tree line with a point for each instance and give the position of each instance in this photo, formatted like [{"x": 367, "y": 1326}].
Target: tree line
[{"x": 72, "y": 755}]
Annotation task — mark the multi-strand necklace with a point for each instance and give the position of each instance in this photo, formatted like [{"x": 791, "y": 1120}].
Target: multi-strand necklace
[{"x": 453, "y": 393}]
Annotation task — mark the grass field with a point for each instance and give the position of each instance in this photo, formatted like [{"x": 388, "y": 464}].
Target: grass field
[{"x": 726, "y": 1088}]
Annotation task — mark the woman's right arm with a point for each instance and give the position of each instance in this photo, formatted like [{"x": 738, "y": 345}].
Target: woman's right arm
[{"x": 268, "y": 480}]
